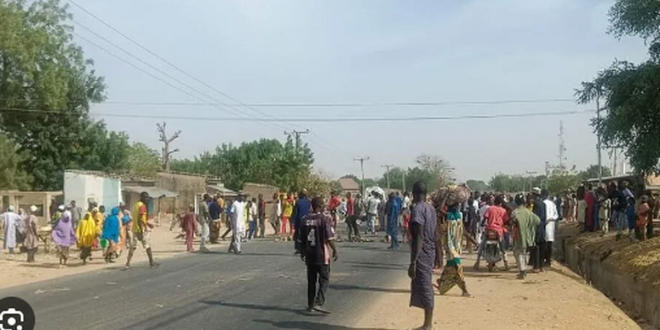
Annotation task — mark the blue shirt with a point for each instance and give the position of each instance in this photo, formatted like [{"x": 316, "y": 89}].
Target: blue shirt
[
  {"x": 214, "y": 211},
  {"x": 302, "y": 208},
  {"x": 399, "y": 201}
]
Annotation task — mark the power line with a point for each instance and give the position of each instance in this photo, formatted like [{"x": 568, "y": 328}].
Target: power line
[
  {"x": 170, "y": 64},
  {"x": 320, "y": 120},
  {"x": 164, "y": 60},
  {"x": 161, "y": 72},
  {"x": 338, "y": 105}
]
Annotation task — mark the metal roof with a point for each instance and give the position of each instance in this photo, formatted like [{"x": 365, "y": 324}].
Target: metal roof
[
  {"x": 222, "y": 190},
  {"x": 154, "y": 192}
]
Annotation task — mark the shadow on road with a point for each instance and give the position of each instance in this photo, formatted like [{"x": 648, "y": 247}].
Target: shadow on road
[
  {"x": 256, "y": 307},
  {"x": 305, "y": 325},
  {"x": 382, "y": 264},
  {"x": 372, "y": 248},
  {"x": 344, "y": 287},
  {"x": 51, "y": 265},
  {"x": 399, "y": 268},
  {"x": 509, "y": 275},
  {"x": 249, "y": 254}
]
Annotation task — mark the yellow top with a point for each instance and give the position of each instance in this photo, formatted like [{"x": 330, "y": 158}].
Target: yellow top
[
  {"x": 139, "y": 216},
  {"x": 87, "y": 231},
  {"x": 287, "y": 206}
]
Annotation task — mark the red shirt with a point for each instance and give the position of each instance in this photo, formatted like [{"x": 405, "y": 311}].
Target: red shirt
[
  {"x": 334, "y": 203},
  {"x": 350, "y": 207},
  {"x": 496, "y": 216}
]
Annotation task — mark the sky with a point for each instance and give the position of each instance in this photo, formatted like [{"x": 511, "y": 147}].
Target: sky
[{"x": 368, "y": 52}]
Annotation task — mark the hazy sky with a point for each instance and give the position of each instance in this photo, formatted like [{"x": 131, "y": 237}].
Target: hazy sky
[{"x": 368, "y": 51}]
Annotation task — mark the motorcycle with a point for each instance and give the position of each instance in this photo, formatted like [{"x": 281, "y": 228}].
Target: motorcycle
[{"x": 492, "y": 253}]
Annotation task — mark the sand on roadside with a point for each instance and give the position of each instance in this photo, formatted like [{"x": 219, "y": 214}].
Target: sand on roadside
[
  {"x": 15, "y": 271},
  {"x": 554, "y": 300}
]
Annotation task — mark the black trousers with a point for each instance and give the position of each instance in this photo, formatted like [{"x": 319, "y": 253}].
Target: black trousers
[
  {"x": 320, "y": 274},
  {"x": 547, "y": 254},
  {"x": 536, "y": 255},
  {"x": 353, "y": 229},
  {"x": 296, "y": 238}
]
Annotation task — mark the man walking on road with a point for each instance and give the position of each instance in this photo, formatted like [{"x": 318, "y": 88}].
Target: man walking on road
[
  {"x": 317, "y": 239},
  {"x": 261, "y": 211},
  {"x": 301, "y": 209},
  {"x": 423, "y": 231},
  {"x": 525, "y": 223},
  {"x": 237, "y": 224},
  {"x": 204, "y": 219},
  {"x": 140, "y": 230}
]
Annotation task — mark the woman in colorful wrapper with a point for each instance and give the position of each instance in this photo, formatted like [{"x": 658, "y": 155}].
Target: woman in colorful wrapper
[{"x": 452, "y": 275}]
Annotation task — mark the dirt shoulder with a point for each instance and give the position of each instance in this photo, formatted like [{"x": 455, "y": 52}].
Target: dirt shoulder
[
  {"x": 555, "y": 299},
  {"x": 15, "y": 271}
]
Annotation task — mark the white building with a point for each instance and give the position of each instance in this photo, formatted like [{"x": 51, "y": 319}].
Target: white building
[{"x": 88, "y": 186}]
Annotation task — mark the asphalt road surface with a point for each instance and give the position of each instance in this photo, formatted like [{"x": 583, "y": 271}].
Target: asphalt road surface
[{"x": 264, "y": 288}]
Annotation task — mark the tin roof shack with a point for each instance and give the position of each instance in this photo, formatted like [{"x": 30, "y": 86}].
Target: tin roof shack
[
  {"x": 252, "y": 190},
  {"x": 215, "y": 187},
  {"x": 636, "y": 182},
  {"x": 25, "y": 199},
  {"x": 348, "y": 185},
  {"x": 90, "y": 186},
  {"x": 186, "y": 185},
  {"x": 159, "y": 200}
]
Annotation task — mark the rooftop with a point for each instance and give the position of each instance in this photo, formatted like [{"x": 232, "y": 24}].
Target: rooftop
[
  {"x": 154, "y": 192},
  {"x": 348, "y": 184},
  {"x": 118, "y": 176}
]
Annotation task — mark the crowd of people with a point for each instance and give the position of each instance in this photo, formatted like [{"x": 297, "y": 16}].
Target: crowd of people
[
  {"x": 90, "y": 230},
  {"x": 596, "y": 209},
  {"x": 437, "y": 228}
]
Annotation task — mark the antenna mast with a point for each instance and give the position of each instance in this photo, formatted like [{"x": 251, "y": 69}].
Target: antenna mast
[{"x": 562, "y": 145}]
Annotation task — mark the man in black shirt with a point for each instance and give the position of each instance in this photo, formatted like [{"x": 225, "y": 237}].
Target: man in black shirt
[{"x": 317, "y": 239}]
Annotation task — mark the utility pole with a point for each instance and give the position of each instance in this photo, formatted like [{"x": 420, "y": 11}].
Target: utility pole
[
  {"x": 530, "y": 175},
  {"x": 166, "y": 152},
  {"x": 562, "y": 146},
  {"x": 403, "y": 179},
  {"x": 547, "y": 174},
  {"x": 361, "y": 160},
  {"x": 615, "y": 164},
  {"x": 297, "y": 135},
  {"x": 598, "y": 144},
  {"x": 297, "y": 154},
  {"x": 387, "y": 174}
]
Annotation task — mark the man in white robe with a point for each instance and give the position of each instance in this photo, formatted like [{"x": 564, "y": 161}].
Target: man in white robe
[
  {"x": 237, "y": 224},
  {"x": 9, "y": 222},
  {"x": 552, "y": 215}
]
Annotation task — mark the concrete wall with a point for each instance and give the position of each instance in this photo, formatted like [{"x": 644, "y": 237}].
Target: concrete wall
[
  {"x": 187, "y": 186},
  {"x": 254, "y": 189},
  {"x": 83, "y": 188},
  {"x": 593, "y": 261}
]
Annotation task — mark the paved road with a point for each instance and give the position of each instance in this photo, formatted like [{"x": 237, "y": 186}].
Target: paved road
[{"x": 264, "y": 288}]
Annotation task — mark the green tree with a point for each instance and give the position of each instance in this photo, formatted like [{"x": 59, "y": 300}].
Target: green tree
[
  {"x": 630, "y": 91},
  {"x": 477, "y": 185},
  {"x": 266, "y": 161},
  {"x": 143, "y": 160},
  {"x": 395, "y": 175},
  {"x": 559, "y": 181},
  {"x": 317, "y": 183},
  {"x": 515, "y": 183},
  {"x": 12, "y": 176},
  {"x": 591, "y": 172},
  {"x": 202, "y": 164},
  {"x": 439, "y": 170},
  {"x": 41, "y": 68}
]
